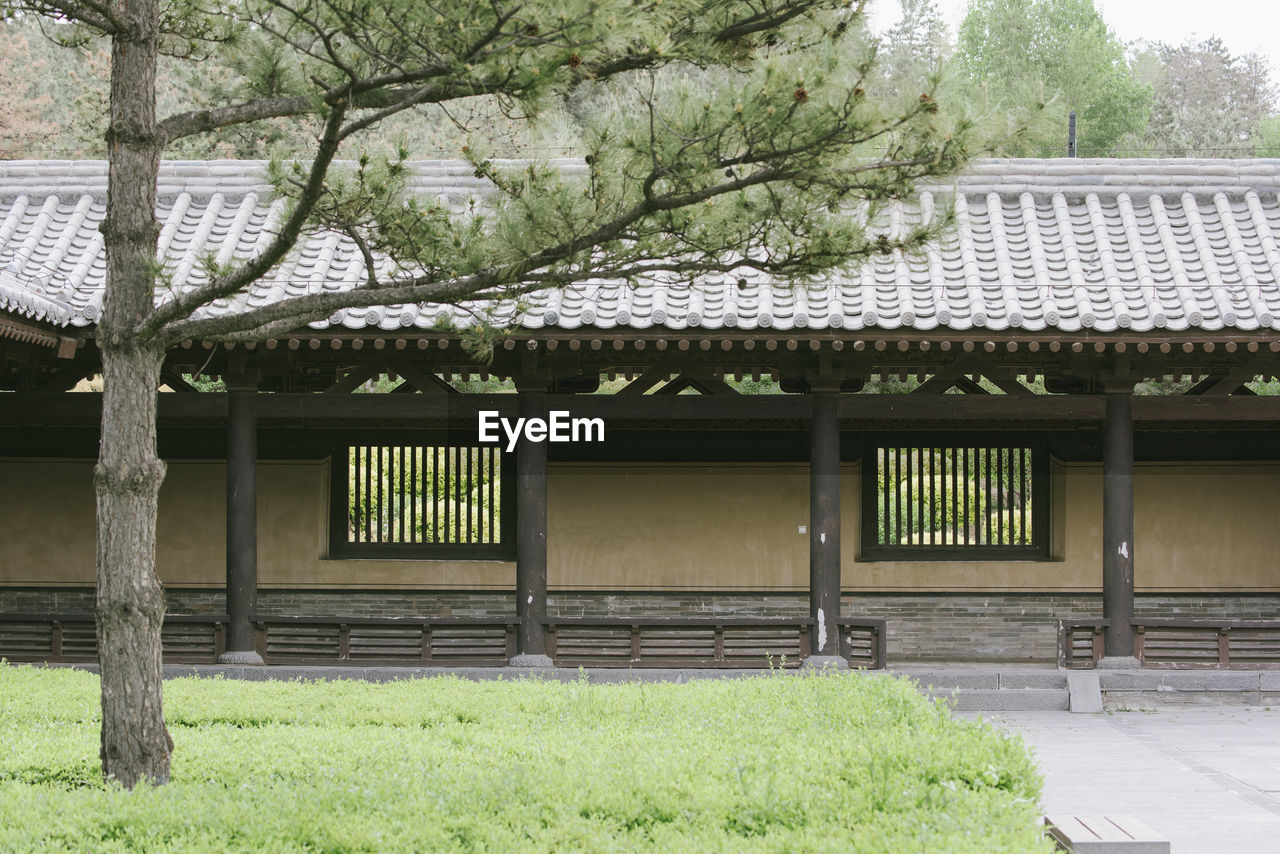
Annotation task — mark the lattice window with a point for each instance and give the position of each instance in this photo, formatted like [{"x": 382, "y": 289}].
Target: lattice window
[
  {"x": 419, "y": 500},
  {"x": 955, "y": 501}
]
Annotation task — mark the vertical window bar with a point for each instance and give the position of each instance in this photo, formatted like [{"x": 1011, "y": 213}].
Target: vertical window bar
[
  {"x": 955, "y": 500},
  {"x": 456, "y": 492},
  {"x": 887, "y": 529},
  {"x": 355, "y": 510},
  {"x": 384, "y": 464},
  {"x": 883, "y": 496},
  {"x": 374, "y": 488},
  {"x": 982, "y": 525},
  {"x": 926, "y": 491},
  {"x": 945, "y": 487},
  {"x": 889, "y": 533},
  {"x": 891, "y": 456},
  {"x": 435, "y": 494},
  {"x": 1024, "y": 456},
  {"x": 413, "y": 493},
  {"x": 895, "y": 464},
  {"x": 376, "y": 451},
  {"x": 488, "y": 495},
  {"x": 944, "y": 480},
  {"x": 902, "y": 495},
  {"x": 929, "y": 492},
  {"x": 1001, "y": 536},
  {"x": 1015, "y": 494},
  {"x": 369, "y": 485},
  {"x": 908, "y": 497},
  {"x": 398, "y": 492},
  {"x": 989, "y": 515},
  {"x": 993, "y": 497},
  {"x": 919, "y": 485},
  {"x": 937, "y": 488},
  {"x": 446, "y": 505},
  {"x": 471, "y": 531},
  {"x": 495, "y": 493},
  {"x": 975, "y": 498}
]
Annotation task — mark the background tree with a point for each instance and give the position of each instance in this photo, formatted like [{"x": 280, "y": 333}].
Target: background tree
[
  {"x": 1206, "y": 101},
  {"x": 723, "y": 135},
  {"x": 1017, "y": 51},
  {"x": 916, "y": 46}
]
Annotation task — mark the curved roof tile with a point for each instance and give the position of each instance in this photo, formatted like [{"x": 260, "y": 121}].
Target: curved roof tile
[{"x": 1067, "y": 245}]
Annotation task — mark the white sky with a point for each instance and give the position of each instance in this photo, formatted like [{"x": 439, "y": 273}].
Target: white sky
[{"x": 1245, "y": 26}]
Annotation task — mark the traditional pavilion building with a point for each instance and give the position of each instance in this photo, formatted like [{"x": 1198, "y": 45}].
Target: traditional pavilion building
[{"x": 1025, "y": 499}]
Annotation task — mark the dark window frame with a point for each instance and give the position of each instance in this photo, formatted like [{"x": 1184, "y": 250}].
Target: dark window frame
[
  {"x": 1041, "y": 497},
  {"x": 341, "y": 548}
]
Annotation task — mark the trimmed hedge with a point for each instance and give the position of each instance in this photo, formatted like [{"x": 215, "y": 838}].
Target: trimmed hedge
[{"x": 775, "y": 763}]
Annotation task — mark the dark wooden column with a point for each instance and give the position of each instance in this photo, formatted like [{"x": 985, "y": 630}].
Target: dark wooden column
[
  {"x": 531, "y": 535},
  {"x": 1117, "y": 530},
  {"x": 242, "y": 525},
  {"x": 824, "y": 529}
]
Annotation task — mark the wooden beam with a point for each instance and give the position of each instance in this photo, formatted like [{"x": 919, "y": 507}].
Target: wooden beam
[
  {"x": 1117, "y": 527},
  {"x": 1216, "y": 386},
  {"x": 1008, "y": 385},
  {"x": 647, "y": 380},
  {"x": 941, "y": 382},
  {"x": 824, "y": 523},
  {"x": 427, "y": 383},
  {"x": 356, "y": 377},
  {"x": 968, "y": 386},
  {"x": 242, "y": 527},
  {"x": 946, "y": 377},
  {"x": 409, "y": 409},
  {"x": 174, "y": 380},
  {"x": 677, "y": 385},
  {"x": 531, "y": 538},
  {"x": 707, "y": 383}
]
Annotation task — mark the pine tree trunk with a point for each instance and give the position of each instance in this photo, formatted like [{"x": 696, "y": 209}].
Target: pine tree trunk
[
  {"x": 135, "y": 743},
  {"x": 130, "y": 608}
]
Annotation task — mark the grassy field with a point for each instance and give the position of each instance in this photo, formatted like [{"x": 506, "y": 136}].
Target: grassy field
[{"x": 776, "y": 763}]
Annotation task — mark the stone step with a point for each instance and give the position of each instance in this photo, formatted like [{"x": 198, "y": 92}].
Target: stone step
[
  {"x": 983, "y": 678},
  {"x": 1005, "y": 700}
]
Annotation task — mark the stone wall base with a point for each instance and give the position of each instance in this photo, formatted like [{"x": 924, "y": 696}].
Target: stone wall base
[{"x": 939, "y": 627}]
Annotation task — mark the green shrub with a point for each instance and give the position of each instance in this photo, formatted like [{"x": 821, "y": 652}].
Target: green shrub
[{"x": 776, "y": 763}]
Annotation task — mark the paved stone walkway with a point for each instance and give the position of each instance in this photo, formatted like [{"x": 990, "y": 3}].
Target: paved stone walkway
[{"x": 1205, "y": 778}]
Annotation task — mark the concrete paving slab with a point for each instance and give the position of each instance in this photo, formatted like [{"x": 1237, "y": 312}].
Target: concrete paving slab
[{"x": 1197, "y": 776}]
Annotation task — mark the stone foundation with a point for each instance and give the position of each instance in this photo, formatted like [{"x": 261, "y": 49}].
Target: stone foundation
[{"x": 950, "y": 627}]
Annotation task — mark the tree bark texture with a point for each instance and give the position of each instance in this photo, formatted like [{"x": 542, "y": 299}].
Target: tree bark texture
[{"x": 130, "y": 603}]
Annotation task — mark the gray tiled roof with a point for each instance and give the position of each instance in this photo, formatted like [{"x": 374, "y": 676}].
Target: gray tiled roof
[{"x": 1067, "y": 245}]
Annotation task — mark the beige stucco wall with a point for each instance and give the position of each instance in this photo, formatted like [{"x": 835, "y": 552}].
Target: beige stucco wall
[
  {"x": 660, "y": 527},
  {"x": 47, "y": 531}
]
